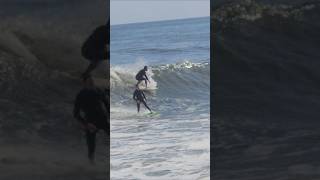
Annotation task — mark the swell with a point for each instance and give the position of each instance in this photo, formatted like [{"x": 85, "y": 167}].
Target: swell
[
  {"x": 266, "y": 87},
  {"x": 180, "y": 78},
  {"x": 236, "y": 12},
  {"x": 171, "y": 80},
  {"x": 266, "y": 55}
]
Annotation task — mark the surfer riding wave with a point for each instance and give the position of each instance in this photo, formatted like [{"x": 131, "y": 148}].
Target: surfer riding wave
[
  {"x": 168, "y": 82},
  {"x": 142, "y": 76}
]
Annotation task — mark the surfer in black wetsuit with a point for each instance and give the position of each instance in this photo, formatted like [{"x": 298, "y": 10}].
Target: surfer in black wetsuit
[
  {"x": 142, "y": 76},
  {"x": 95, "y": 48},
  {"x": 139, "y": 97},
  {"x": 95, "y": 106}
]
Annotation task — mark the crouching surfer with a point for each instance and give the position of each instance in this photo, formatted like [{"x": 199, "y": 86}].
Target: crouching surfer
[{"x": 142, "y": 76}]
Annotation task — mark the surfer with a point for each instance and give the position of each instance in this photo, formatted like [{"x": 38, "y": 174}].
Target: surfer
[
  {"x": 142, "y": 76},
  {"x": 139, "y": 97},
  {"x": 95, "y": 48},
  {"x": 94, "y": 104}
]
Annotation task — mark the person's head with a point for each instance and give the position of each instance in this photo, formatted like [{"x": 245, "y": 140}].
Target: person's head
[
  {"x": 145, "y": 68},
  {"x": 88, "y": 81}
]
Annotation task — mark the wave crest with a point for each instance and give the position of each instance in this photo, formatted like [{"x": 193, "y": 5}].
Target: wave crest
[{"x": 250, "y": 10}]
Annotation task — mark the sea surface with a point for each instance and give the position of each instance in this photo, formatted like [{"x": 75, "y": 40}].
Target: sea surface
[
  {"x": 266, "y": 96},
  {"x": 176, "y": 143},
  {"x": 40, "y": 69}
]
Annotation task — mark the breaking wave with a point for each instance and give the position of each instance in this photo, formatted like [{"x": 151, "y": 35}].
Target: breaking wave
[{"x": 174, "y": 80}]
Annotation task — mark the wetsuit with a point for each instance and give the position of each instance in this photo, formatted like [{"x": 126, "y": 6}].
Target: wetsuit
[
  {"x": 91, "y": 102},
  {"x": 141, "y": 75},
  {"x": 139, "y": 96}
]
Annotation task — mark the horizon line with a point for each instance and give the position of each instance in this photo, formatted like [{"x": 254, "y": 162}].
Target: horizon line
[{"x": 159, "y": 20}]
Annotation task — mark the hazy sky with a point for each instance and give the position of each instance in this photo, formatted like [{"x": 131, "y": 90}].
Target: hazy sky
[{"x": 131, "y": 11}]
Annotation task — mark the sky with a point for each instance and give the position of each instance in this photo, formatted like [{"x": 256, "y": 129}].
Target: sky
[{"x": 132, "y": 11}]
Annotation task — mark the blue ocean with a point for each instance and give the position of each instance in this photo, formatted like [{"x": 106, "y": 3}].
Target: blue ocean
[{"x": 175, "y": 143}]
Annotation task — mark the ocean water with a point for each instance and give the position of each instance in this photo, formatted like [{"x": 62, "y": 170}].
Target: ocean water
[
  {"x": 175, "y": 143},
  {"x": 266, "y": 90},
  {"x": 40, "y": 66}
]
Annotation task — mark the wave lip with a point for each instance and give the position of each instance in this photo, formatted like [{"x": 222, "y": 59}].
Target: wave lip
[{"x": 181, "y": 66}]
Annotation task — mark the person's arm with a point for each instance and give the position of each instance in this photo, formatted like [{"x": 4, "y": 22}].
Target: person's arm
[
  {"x": 143, "y": 95},
  {"x": 145, "y": 75},
  {"x": 77, "y": 112},
  {"x": 135, "y": 95}
]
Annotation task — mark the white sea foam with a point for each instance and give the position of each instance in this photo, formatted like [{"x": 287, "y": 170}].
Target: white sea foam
[
  {"x": 175, "y": 147},
  {"x": 124, "y": 75}
]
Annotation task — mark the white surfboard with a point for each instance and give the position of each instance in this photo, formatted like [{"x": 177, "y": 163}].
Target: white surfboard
[{"x": 149, "y": 87}]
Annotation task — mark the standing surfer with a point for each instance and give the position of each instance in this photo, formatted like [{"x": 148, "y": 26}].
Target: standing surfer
[
  {"x": 139, "y": 97},
  {"x": 95, "y": 106},
  {"x": 142, "y": 76}
]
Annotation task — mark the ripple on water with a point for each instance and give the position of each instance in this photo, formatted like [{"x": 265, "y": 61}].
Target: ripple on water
[
  {"x": 160, "y": 149},
  {"x": 158, "y": 173}
]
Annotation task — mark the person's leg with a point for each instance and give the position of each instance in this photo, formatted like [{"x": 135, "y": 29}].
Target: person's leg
[
  {"x": 145, "y": 104},
  {"x": 91, "y": 143},
  {"x": 138, "y": 106},
  {"x": 145, "y": 81},
  {"x": 139, "y": 81}
]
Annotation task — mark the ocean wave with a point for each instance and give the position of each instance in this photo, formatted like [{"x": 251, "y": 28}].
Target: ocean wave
[
  {"x": 184, "y": 80},
  {"x": 159, "y": 50},
  {"x": 274, "y": 56},
  {"x": 171, "y": 75},
  {"x": 251, "y": 10}
]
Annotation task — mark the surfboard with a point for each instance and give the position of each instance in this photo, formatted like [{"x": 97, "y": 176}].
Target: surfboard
[
  {"x": 152, "y": 114},
  {"x": 149, "y": 88}
]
